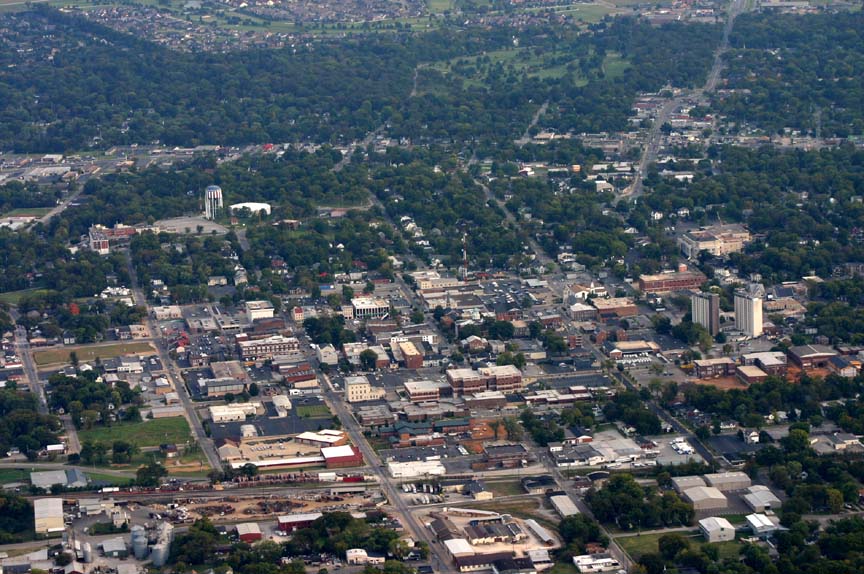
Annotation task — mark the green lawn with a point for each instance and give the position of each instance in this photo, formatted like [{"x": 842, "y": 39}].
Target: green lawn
[
  {"x": 314, "y": 411},
  {"x": 28, "y": 211},
  {"x": 13, "y": 475},
  {"x": 14, "y": 297},
  {"x": 109, "y": 478},
  {"x": 147, "y": 433},
  {"x": 90, "y": 353},
  {"x": 505, "y": 487},
  {"x": 638, "y": 545},
  {"x": 563, "y": 568},
  {"x": 440, "y": 6}
]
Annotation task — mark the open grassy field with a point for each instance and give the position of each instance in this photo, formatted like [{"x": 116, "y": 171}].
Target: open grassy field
[
  {"x": 28, "y": 211},
  {"x": 638, "y": 545},
  {"x": 109, "y": 478},
  {"x": 440, "y": 6},
  {"x": 147, "y": 433},
  {"x": 90, "y": 353},
  {"x": 14, "y": 297},
  {"x": 546, "y": 65},
  {"x": 505, "y": 487},
  {"x": 314, "y": 411},
  {"x": 563, "y": 568},
  {"x": 13, "y": 475}
]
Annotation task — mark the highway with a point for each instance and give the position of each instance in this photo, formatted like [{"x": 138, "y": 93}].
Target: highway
[
  {"x": 207, "y": 446},
  {"x": 655, "y": 136}
]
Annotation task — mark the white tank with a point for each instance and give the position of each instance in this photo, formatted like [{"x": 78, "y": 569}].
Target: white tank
[{"x": 159, "y": 554}]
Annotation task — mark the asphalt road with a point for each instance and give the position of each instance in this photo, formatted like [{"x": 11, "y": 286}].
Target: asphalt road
[
  {"x": 26, "y": 356},
  {"x": 655, "y": 136},
  {"x": 439, "y": 559},
  {"x": 207, "y": 446}
]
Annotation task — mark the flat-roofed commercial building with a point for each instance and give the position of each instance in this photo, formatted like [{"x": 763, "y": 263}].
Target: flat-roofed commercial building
[
  {"x": 615, "y": 307},
  {"x": 674, "y": 281},
  {"x": 466, "y": 381},
  {"x": 421, "y": 391},
  {"x": 751, "y": 374},
  {"x": 504, "y": 378},
  {"x": 772, "y": 362},
  {"x": 411, "y": 357},
  {"x": 262, "y": 349},
  {"x": 369, "y": 308},
  {"x": 717, "y": 367},
  {"x": 358, "y": 389},
  {"x": 48, "y": 515},
  {"x": 259, "y": 310}
]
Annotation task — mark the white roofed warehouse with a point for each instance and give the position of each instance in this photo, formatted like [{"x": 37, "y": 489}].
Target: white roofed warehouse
[
  {"x": 48, "y": 515},
  {"x": 716, "y": 529},
  {"x": 705, "y": 498}
]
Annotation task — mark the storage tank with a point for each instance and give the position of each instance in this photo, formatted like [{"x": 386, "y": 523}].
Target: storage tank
[{"x": 159, "y": 554}]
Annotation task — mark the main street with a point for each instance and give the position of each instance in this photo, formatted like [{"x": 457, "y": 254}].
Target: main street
[
  {"x": 198, "y": 433},
  {"x": 25, "y": 354},
  {"x": 655, "y": 134},
  {"x": 439, "y": 559}
]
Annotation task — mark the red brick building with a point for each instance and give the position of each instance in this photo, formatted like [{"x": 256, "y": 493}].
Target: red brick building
[
  {"x": 666, "y": 282},
  {"x": 342, "y": 456}
]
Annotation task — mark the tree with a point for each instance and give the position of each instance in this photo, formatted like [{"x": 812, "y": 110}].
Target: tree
[
  {"x": 150, "y": 474},
  {"x": 253, "y": 389},
  {"x": 368, "y": 360},
  {"x": 514, "y": 430},
  {"x": 670, "y": 545},
  {"x": 249, "y": 470},
  {"x": 417, "y": 316}
]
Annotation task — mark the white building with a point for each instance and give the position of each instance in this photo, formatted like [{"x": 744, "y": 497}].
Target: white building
[
  {"x": 415, "y": 469},
  {"x": 48, "y": 515},
  {"x": 254, "y": 207},
  {"x": 602, "y": 562},
  {"x": 748, "y": 310},
  {"x": 705, "y": 498},
  {"x": 369, "y": 308},
  {"x": 716, "y": 529},
  {"x": 358, "y": 389},
  {"x": 705, "y": 309},
  {"x": 356, "y": 556},
  {"x": 327, "y": 355},
  {"x": 233, "y": 413},
  {"x": 728, "y": 481},
  {"x": 459, "y": 547},
  {"x": 212, "y": 201},
  {"x": 763, "y": 525},
  {"x": 259, "y": 310},
  {"x": 760, "y": 498},
  {"x": 564, "y": 505}
]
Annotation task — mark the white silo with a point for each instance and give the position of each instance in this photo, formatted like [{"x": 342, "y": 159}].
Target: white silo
[
  {"x": 139, "y": 542},
  {"x": 212, "y": 201}
]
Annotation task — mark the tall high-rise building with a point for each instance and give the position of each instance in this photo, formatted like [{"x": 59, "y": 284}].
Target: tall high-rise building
[
  {"x": 705, "y": 310},
  {"x": 748, "y": 310},
  {"x": 212, "y": 201}
]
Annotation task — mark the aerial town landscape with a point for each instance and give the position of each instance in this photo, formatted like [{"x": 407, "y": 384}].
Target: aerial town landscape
[{"x": 434, "y": 286}]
